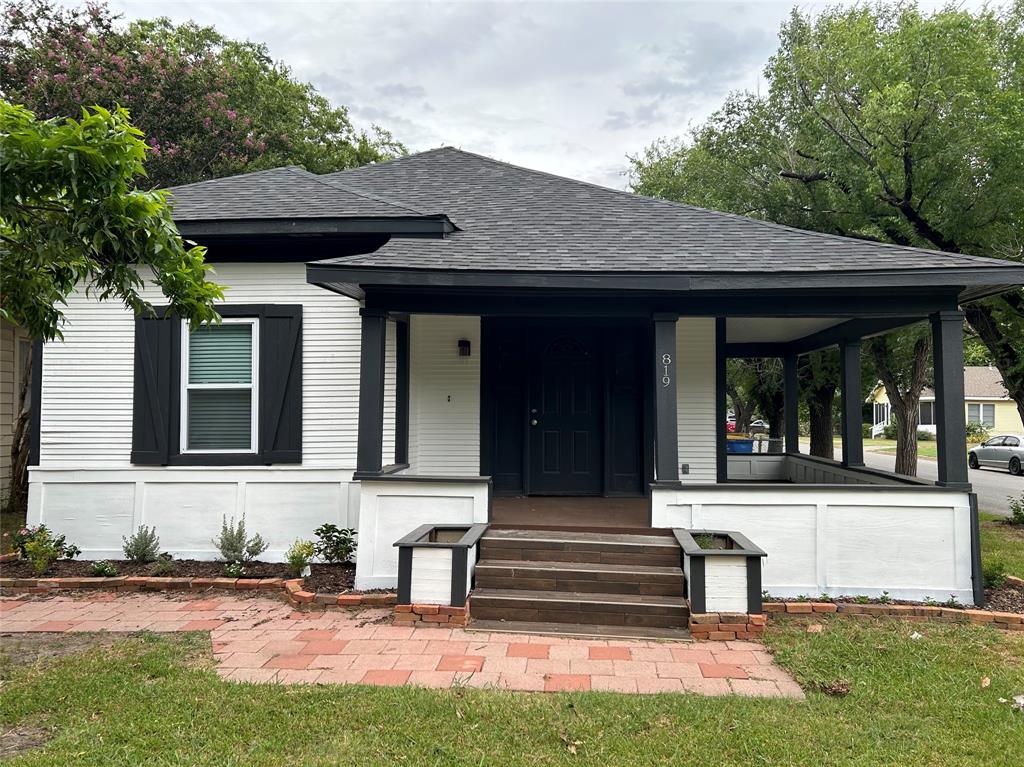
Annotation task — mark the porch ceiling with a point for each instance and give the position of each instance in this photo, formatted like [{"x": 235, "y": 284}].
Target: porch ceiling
[{"x": 745, "y": 330}]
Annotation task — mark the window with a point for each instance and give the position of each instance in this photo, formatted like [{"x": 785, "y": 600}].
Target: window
[
  {"x": 1012, "y": 442},
  {"x": 994, "y": 442},
  {"x": 219, "y": 387},
  {"x": 927, "y": 414},
  {"x": 982, "y": 413}
]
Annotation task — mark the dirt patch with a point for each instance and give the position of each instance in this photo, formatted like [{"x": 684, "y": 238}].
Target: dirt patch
[
  {"x": 20, "y": 739},
  {"x": 326, "y": 578},
  {"x": 26, "y": 649}
]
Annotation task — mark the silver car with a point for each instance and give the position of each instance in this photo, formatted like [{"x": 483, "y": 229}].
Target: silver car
[{"x": 1003, "y": 452}]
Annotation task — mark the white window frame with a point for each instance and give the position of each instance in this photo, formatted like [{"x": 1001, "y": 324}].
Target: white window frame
[
  {"x": 931, "y": 413},
  {"x": 981, "y": 413},
  {"x": 253, "y": 386}
]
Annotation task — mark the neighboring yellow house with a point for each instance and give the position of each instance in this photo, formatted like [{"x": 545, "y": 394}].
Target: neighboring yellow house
[{"x": 985, "y": 401}]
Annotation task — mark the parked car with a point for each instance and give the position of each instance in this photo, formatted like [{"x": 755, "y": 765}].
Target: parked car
[
  {"x": 760, "y": 426},
  {"x": 730, "y": 426},
  {"x": 1003, "y": 452}
]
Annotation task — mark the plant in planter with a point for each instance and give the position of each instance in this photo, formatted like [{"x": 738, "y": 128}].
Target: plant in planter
[
  {"x": 143, "y": 545},
  {"x": 103, "y": 569},
  {"x": 236, "y": 548},
  {"x": 335, "y": 545},
  {"x": 299, "y": 556}
]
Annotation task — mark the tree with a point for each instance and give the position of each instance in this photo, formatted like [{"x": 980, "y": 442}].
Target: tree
[
  {"x": 818, "y": 375},
  {"x": 209, "y": 106},
  {"x": 903, "y": 363},
  {"x": 884, "y": 124},
  {"x": 742, "y": 404}
]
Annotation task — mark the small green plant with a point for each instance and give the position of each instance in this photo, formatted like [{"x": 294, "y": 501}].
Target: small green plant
[
  {"x": 825, "y": 598},
  {"x": 1016, "y": 509},
  {"x": 26, "y": 535},
  {"x": 861, "y": 599},
  {"x": 234, "y": 570},
  {"x": 335, "y": 544},
  {"x": 143, "y": 545},
  {"x": 802, "y": 598},
  {"x": 993, "y": 573},
  {"x": 976, "y": 433},
  {"x": 952, "y": 603},
  {"x": 885, "y": 599},
  {"x": 103, "y": 569},
  {"x": 40, "y": 553},
  {"x": 234, "y": 544},
  {"x": 299, "y": 555},
  {"x": 163, "y": 566}
]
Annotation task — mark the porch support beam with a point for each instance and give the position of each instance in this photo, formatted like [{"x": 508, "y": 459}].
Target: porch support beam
[
  {"x": 666, "y": 433},
  {"x": 853, "y": 438},
  {"x": 791, "y": 398},
  {"x": 951, "y": 427},
  {"x": 370, "y": 444},
  {"x": 721, "y": 406}
]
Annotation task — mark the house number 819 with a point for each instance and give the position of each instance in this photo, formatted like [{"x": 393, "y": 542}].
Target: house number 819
[{"x": 666, "y": 360}]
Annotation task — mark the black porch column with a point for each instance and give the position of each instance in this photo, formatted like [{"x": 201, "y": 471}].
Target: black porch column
[
  {"x": 370, "y": 444},
  {"x": 853, "y": 437},
  {"x": 791, "y": 398},
  {"x": 666, "y": 435},
  {"x": 950, "y": 420}
]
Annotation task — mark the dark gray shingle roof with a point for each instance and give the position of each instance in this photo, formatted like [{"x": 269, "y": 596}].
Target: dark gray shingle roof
[
  {"x": 280, "y": 193},
  {"x": 513, "y": 218}
]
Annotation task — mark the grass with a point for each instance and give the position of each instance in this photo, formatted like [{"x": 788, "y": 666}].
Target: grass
[
  {"x": 156, "y": 700},
  {"x": 1002, "y": 541},
  {"x": 9, "y": 524}
]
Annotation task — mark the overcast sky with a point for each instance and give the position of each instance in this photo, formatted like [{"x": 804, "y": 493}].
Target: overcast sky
[{"x": 566, "y": 87}]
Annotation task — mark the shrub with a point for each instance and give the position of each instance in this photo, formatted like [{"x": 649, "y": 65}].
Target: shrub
[
  {"x": 299, "y": 555},
  {"x": 865, "y": 430},
  {"x": 923, "y": 435},
  {"x": 889, "y": 432},
  {"x": 27, "y": 535},
  {"x": 104, "y": 569},
  {"x": 235, "y": 546},
  {"x": 1016, "y": 510},
  {"x": 993, "y": 573},
  {"x": 234, "y": 570},
  {"x": 142, "y": 546},
  {"x": 335, "y": 544},
  {"x": 976, "y": 433},
  {"x": 41, "y": 553},
  {"x": 163, "y": 566}
]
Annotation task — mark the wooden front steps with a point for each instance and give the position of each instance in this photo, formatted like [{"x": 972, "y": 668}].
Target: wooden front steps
[{"x": 611, "y": 583}]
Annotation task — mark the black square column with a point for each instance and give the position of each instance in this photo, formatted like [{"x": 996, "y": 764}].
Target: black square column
[
  {"x": 853, "y": 436},
  {"x": 950, "y": 419},
  {"x": 370, "y": 444},
  {"x": 666, "y": 433}
]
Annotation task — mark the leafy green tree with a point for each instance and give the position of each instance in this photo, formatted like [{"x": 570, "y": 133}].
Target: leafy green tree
[
  {"x": 818, "y": 377},
  {"x": 880, "y": 123},
  {"x": 208, "y": 105}
]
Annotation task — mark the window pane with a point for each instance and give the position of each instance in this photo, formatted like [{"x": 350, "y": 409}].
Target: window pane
[
  {"x": 220, "y": 354},
  {"x": 926, "y": 415},
  {"x": 988, "y": 415},
  {"x": 973, "y": 414},
  {"x": 219, "y": 419}
]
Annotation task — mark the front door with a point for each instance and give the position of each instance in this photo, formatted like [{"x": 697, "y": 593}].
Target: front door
[{"x": 565, "y": 400}]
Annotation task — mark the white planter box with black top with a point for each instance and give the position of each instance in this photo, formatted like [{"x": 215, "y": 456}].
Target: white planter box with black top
[
  {"x": 436, "y": 564},
  {"x": 723, "y": 571}
]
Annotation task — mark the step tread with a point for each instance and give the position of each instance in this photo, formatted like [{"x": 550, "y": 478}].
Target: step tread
[
  {"x": 579, "y": 630},
  {"x": 564, "y": 536},
  {"x": 589, "y": 567},
  {"x": 580, "y": 597}
]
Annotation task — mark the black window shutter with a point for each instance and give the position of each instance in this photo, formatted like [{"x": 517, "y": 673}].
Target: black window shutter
[
  {"x": 280, "y": 395},
  {"x": 157, "y": 343}
]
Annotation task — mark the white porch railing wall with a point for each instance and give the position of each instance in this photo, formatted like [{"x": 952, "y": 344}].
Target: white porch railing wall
[
  {"x": 391, "y": 507},
  {"x": 839, "y": 539}
]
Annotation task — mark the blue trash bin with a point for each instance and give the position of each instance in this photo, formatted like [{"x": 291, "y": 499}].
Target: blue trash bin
[{"x": 739, "y": 446}]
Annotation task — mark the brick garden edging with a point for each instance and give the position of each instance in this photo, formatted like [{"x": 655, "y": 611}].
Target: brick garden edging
[
  {"x": 1002, "y": 621},
  {"x": 725, "y": 627},
  {"x": 435, "y": 615},
  {"x": 291, "y": 588}
]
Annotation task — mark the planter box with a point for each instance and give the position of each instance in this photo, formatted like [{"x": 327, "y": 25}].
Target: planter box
[
  {"x": 723, "y": 571},
  {"x": 436, "y": 563}
]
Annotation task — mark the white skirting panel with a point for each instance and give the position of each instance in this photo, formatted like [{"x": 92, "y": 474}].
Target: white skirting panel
[
  {"x": 95, "y": 508},
  {"x": 844, "y": 541},
  {"x": 391, "y": 509}
]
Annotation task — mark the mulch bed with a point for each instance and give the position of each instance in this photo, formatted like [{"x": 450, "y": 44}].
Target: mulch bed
[
  {"x": 1008, "y": 599},
  {"x": 329, "y": 579}
]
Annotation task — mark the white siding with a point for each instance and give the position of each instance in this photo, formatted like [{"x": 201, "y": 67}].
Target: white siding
[
  {"x": 88, "y": 378},
  {"x": 431, "y": 576},
  {"x": 695, "y": 355},
  {"x": 444, "y": 399},
  {"x": 390, "y": 387},
  {"x": 725, "y": 584}
]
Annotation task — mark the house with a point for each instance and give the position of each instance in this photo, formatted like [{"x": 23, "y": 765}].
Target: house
[
  {"x": 445, "y": 339},
  {"x": 986, "y": 401}
]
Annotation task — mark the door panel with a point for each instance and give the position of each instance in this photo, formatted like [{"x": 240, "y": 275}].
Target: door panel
[{"x": 565, "y": 421}]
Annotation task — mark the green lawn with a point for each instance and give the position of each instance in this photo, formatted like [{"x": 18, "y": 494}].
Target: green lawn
[
  {"x": 1002, "y": 541},
  {"x": 150, "y": 700}
]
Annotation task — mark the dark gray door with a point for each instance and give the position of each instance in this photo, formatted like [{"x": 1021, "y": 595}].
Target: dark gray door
[{"x": 565, "y": 409}]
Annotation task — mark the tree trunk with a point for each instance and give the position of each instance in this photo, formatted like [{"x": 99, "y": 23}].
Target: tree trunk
[
  {"x": 906, "y": 405},
  {"x": 819, "y": 403},
  {"x": 17, "y": 499},
  {"x": 906, "y": 420},
  {"x": 742, "y": 409}
]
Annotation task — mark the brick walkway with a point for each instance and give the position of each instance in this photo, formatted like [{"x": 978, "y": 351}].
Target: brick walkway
[{"x": 264, "y": 640}]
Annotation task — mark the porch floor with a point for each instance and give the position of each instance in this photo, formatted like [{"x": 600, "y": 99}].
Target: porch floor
[{"x": 571, "y": 511}]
